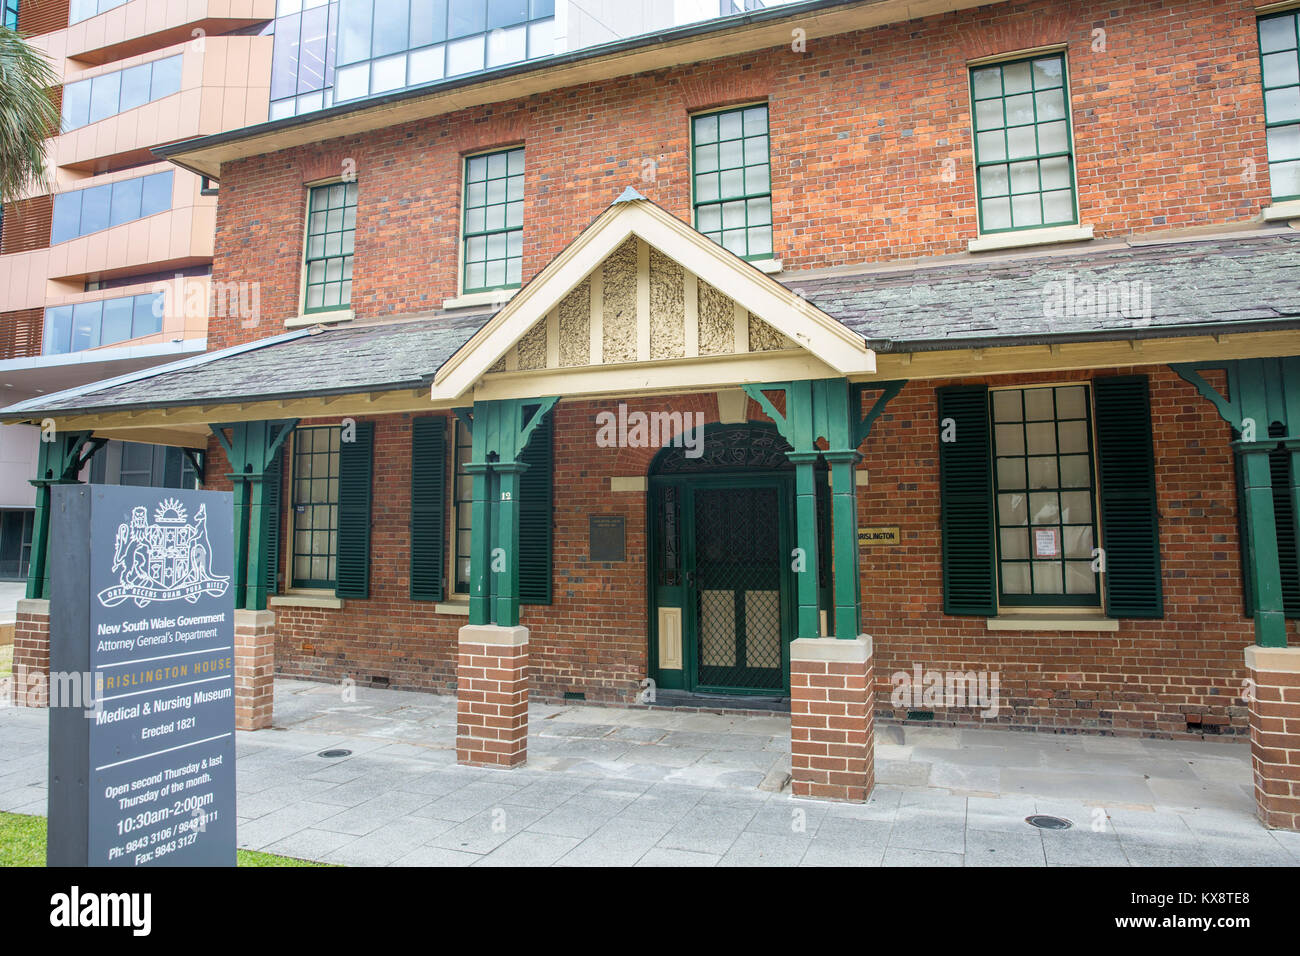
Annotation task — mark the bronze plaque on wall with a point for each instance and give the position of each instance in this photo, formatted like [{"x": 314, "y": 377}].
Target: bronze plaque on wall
[{"x": 607, "y": 537}]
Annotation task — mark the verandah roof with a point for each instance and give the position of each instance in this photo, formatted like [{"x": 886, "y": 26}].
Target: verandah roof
[{"x": 1244, "y": 283}]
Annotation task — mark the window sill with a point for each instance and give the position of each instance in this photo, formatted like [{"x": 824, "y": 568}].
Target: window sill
[
  {"x": 1282, "y": 211},
  {"x": 497, "y": 297},
  {"x": 452, "y": 607},
  {"x": 1030, "y": 237},
  {"x": 770, "y": 266},
  {"x": 1052, "y": 621},
  {"x": 305, "y": 599},
  {"x": 319, "y": 318}
]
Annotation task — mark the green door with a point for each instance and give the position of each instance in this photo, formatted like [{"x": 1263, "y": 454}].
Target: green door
[{"x": 734, "y": 587}]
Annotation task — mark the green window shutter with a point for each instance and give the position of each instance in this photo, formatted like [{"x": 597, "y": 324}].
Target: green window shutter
[
  {"x": 428, "y": 507},
  {"x": 273, "y": 502},
  {"x": 356, "y": 463},
  {"x": 1127, "y": 472},
  {"x": 966, "y": 502},
  {"x": 535, "y": 508}
]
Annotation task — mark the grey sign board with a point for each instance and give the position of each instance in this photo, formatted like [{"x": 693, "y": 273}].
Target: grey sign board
[{"x": 142, "y": 688}]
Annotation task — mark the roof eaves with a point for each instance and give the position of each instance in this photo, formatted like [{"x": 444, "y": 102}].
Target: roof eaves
[{"x": 42, "y": 401}]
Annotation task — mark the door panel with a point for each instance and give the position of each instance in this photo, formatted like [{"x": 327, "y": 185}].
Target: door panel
[{"x": 737, "y": 588}]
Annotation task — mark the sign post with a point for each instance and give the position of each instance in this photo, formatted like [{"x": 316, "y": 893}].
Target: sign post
[{"x": 142, "y": 688}]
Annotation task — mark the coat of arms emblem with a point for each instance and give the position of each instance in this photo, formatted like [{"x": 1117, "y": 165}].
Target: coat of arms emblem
[{"x": 166, "y": 560}]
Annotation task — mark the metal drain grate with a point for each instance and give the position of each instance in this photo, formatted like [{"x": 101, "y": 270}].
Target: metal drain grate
[
  {"x": 1045, "y": 822},
  {"x": 335, "y": 753}
]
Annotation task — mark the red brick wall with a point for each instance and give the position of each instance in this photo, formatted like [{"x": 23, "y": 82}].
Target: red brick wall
[
  {"x": 1148, "y": 678},
  {"x": 871, "y": 149}
]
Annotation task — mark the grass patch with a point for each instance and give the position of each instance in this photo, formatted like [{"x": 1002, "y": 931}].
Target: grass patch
[{"x": 22, "y": 843}]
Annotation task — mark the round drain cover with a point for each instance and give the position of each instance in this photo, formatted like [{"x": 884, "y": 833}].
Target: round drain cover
[
  {"x": 1045, "y": 822},
  {"x": 335, "y": 753}
]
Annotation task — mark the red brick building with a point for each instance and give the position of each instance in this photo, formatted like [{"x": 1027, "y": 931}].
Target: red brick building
[{"x": 681, "y": 364}]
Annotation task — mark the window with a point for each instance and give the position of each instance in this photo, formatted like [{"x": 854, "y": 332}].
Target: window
[
  {"x": 315, "y": 506},
  {"x": 85, "y": 9},
  {"x": 9, "y": 8},
  {"x": 1046, "y": 524},
  {"x": 1280, "y": 65},
  {"x": 83, "y": 211},
  {"x": 391, "y": 44},
  {"x": 73, "y": 328},
  {"x": 89, "y": 101},
  {"x": 731, "y": 164},
  {"x": 302, "y": 58},
  {"x": 463, "y": 505},
  {"x": 331, "y": 238},
  {"x": 494, "y": 221},
  {"x": 1024, "y": 162},
  {"x": 133, "y": 463}
]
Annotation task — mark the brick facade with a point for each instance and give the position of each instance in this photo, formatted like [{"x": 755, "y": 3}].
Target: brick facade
[
  {"x": 870, "y": 143},
  {"x": 1178, "y": 676},
  {"x": 832, "y": 732},
  {"x": 254, "y": 669},
  {"x": 31, "y": 665},
  {"x": 1275, "y": 734},
  {"x": 492, "y": 697}
]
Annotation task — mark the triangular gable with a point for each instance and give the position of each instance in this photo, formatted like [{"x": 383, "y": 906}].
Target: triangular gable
[{"x": 611, "y": 299}]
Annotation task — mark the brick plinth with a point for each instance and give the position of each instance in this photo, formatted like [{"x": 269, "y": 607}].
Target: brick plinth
[
  {"x": 1275, "y": 734},
  {"x": 254, "y": 669},
  {"x": 832, "y": 744},
  {"x": 492, "y": 696},
  {"x": 31, "y": 665}
]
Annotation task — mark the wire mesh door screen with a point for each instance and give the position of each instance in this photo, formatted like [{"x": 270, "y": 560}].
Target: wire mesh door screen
[{"x": 738, "y": 587}]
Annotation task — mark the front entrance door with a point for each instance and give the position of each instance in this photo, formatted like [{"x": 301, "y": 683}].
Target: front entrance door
[
  {"x": 736, "y": 589},
  {"x": 729, "y": 603}
]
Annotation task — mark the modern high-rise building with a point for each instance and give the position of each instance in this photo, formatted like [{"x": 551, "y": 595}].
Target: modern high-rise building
[{"x": 105, "y": 270}]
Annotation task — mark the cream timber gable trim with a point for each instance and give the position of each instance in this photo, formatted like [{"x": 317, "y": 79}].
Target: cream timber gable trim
[{"x": 640, "y": 290}]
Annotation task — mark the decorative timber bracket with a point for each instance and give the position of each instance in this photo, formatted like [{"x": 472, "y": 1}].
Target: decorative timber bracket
[{"x": 1262, "y": 405}]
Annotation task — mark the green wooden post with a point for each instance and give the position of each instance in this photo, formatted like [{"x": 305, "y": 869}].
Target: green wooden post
[
  {"x": 255, "y": 589},
  {"x": 59, "y": 462},
  {"x": 251, "y": 450},
  {"x": 1261, "y": 524},
  {"x": 808, "y": 619},
  {"x": 480, "y": 547},
  {"x": 844, "y": 522},
  {"x": 507, "y": 578},
  {"x": 240, "y": 494}
]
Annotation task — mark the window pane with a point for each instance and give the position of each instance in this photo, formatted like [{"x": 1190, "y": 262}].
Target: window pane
[
  {"x": 391, "y": 28},
  {"x": 85, "y": 325},
  {"x": 58, "y": 330},
  {"x": 166, "y": 77},
  {"x": 95, "y": 209},
  {"x": 147, "y": 318},
  {"x": 156, "y": 194},
  {"x": 116, "y": 324},
  {"x": 76, "y": 105},
  {"x": 104, "y": 92},
  {"x": 67, "y": 217},
  {"x": 126, "y": 201},
  {"x": 354, "y": 31},
  {"x": 135, "y": 86}
]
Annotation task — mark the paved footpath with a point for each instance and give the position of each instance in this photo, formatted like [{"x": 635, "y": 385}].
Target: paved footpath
[{"x": 613, "y": 786}]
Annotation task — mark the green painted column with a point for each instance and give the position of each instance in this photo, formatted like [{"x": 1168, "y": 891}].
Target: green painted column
[
  {"x": 808, "y": 619},
  {"x": 240, "y": 495},
  {"x": 255, "y": 589},
  {"x": 844, "y": 525},
  {"x": 59, "y": 462},
  {"x": 1261, "y": 524},
  {"x": 506, "y": 597},
  {"x": 251, "y": 450},
  {"x": 480, "y": 545}
]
